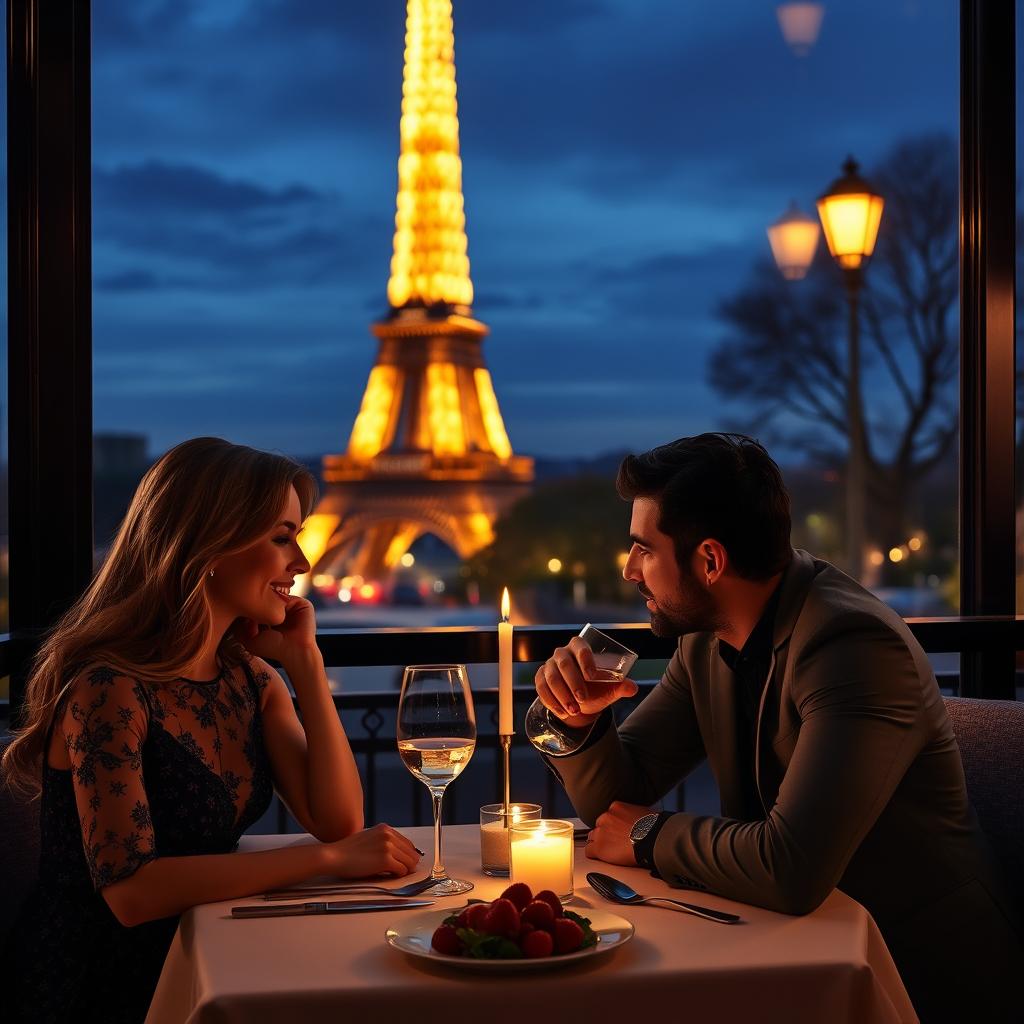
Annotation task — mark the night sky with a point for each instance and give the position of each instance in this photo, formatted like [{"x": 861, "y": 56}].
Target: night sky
[{"x": 621, "y": 161}]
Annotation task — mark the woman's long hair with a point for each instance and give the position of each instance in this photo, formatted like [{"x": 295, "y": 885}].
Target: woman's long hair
[{"x": 146, "y": 612}]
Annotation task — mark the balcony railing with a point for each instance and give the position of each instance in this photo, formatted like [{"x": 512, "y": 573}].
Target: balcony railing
[{"x": 369, "y": 717}]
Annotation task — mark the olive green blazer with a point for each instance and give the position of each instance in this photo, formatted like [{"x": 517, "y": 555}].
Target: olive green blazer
[{"x": 860, "y": 777}]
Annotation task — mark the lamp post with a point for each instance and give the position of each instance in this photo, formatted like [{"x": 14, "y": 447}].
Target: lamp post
[{"x": 850, "y": 213}]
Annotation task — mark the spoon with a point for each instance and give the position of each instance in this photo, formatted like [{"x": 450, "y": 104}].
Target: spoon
[{"x": 618, "y": 892}]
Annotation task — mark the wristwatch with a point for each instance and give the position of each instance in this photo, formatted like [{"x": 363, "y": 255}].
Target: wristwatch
[{"x": 641, "y": 829}]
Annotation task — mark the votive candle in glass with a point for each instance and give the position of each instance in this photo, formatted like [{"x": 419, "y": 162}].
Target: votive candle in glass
[
  {"x": 494, "y": 834},
  {"x": 540, "y": 854}
]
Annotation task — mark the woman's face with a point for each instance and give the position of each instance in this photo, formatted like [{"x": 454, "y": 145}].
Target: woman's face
[{"x": 254, "y": 583}]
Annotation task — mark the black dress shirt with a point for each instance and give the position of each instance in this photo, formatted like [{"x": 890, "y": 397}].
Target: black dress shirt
[{"x": 750, "y": 667}]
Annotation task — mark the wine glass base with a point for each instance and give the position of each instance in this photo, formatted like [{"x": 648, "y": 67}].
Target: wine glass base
[{"x": 449, "y": 887}]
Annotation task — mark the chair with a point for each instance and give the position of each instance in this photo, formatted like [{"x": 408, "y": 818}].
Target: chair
[
  {"x": 19, "y": 851},
  {"x": 990, "y": 734}
]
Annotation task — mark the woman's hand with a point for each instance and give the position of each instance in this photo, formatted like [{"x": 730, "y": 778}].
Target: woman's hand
[
  {"x": 292, "y": 639},
  {"x": 374, "y": 851}
]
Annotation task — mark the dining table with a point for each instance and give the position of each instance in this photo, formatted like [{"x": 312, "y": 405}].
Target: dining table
[{"x": 831, "y": 965}]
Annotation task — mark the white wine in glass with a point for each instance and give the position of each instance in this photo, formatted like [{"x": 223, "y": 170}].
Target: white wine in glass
[{"x": 436, "y": 738}]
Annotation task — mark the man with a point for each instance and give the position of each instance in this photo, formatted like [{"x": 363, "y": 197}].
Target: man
[{"x": 822, "y": 721}]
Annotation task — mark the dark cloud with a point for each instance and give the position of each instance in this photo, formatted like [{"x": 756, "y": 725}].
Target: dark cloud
[
  {"x": 127, "y": 281},
  {"x": 208, "y": 231},
  {"x": 182, "y": 188},
  {"x": 493, "y": 300}
]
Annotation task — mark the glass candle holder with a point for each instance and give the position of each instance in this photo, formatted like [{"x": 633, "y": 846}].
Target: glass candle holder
[
  {"x": 540, "y": 854},
  {"x": 494, "y": 834}
]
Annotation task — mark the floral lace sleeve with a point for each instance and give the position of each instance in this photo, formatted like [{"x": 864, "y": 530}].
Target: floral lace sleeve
[{"x": 105, "y": 721}]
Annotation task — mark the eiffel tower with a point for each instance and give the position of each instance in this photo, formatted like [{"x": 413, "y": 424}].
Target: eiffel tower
[{"x": 428, "y": 451}]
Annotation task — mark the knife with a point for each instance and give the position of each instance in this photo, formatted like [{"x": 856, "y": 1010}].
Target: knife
[{"x": 334, "y": 907}]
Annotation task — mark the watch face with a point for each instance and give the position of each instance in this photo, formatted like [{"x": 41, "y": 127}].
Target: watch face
[{"x": 642, "y": 827}]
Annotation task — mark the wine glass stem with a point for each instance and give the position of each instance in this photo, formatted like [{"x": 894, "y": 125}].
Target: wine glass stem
[{"x": 438, "y": 870}]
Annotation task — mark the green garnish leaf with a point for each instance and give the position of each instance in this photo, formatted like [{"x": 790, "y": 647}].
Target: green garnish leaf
[{"x": 483, "y": 946}]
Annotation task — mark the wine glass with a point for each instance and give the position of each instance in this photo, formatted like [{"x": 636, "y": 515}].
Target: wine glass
[
  {"x": 612, "y": 662},
  {"x": 436, "y": 737}
]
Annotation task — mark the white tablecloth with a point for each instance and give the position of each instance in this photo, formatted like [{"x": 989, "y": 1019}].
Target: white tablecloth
[{"x": 830, "y": 966}]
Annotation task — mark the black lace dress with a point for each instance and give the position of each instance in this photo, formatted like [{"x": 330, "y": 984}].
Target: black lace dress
[{"x": 158, "y": 770}]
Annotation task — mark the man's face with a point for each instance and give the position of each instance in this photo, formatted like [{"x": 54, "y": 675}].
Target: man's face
[{"x": 677, "y": 601}]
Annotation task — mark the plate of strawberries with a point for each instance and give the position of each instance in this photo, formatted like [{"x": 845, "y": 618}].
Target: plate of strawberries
[{"x": 518, "y": 931}]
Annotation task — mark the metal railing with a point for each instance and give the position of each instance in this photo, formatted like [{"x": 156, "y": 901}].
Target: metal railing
[{"x": 369, "y": 716}]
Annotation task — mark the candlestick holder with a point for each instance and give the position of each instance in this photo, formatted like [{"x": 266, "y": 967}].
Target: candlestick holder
[{"x": 506, "y": 771}]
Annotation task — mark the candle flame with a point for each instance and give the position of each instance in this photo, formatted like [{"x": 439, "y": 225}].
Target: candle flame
[{"x": 505, "y": 605}]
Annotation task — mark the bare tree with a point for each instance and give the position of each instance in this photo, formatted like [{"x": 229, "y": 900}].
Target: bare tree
[{"x": 784, "y": 352}]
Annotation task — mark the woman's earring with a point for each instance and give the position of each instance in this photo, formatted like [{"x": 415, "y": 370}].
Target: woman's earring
[{"x": 211, "y": 573}]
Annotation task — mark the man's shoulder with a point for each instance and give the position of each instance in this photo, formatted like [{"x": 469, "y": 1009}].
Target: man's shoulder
[{"x": 837, "y": 606}]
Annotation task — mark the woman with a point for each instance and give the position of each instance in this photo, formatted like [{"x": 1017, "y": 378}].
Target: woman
[{"x": 155, "y": 731}]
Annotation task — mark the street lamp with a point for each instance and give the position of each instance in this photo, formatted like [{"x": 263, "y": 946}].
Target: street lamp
[
  {"x": 800, "y": 24},
  {"x": 850, "y": 213},
  {"x": 794, "y": 239}
]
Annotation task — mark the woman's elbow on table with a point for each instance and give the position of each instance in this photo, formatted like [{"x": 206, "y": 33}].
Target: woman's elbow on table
[
  {"x": 127, "y": 902},
  {"x": 335, "y": 833}
]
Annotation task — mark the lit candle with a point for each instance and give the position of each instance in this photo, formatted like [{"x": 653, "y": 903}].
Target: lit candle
[
  {"x": 540, "y": 854},
  {"x": 505, "y": 724}
]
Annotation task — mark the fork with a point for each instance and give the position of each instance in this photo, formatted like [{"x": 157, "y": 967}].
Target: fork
[{"x": 409, "y": 889}]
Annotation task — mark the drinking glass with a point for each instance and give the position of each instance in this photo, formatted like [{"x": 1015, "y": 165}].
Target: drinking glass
[
  {"x": 436, "y": 733},
  {"x": 612, "y": 662},
  {"x": 494, "y": 826}
]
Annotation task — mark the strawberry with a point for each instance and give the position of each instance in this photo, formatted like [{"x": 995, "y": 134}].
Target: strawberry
[
  {"x": 568, "y": 935},
  {"x": 548, "y": 897},
  {"x": 502, "y": 919},
  {"x": 475, "y": 916},
  {"x": 446, "y": 941},
  {"x": 524, "y": 929},
  {"x": 519, "y": 894},
  {"x": 540, "y": 915},
  {"x": 537, "y": 943}
]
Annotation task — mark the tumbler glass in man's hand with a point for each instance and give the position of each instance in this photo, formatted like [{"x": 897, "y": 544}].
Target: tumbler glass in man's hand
[{"x": 580, "y": 681}]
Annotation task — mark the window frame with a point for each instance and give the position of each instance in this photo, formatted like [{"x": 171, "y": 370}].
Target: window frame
[{"x": 50, "y": 359}]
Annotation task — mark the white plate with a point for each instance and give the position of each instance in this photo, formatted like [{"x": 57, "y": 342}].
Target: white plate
[{"x": 412, "y": 935}]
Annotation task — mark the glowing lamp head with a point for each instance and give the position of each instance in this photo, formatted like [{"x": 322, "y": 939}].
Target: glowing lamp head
[
  {"x": 850, "y": 213},
  {"x": 505, "y": 605},
  {"x": 800, "y": 24},
  {"x": 794, "y": 240}
]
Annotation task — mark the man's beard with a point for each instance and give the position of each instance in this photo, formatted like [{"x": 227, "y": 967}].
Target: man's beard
[{"x": 693, "y": 612}]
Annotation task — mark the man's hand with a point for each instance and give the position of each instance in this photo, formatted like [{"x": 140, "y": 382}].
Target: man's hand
[
  {"x": 609, "y": 840},
  {"x": 569, "y": 685}
]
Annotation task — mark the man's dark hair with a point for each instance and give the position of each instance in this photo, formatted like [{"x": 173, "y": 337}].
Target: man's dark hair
[{"x": 724, "y": 486}]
